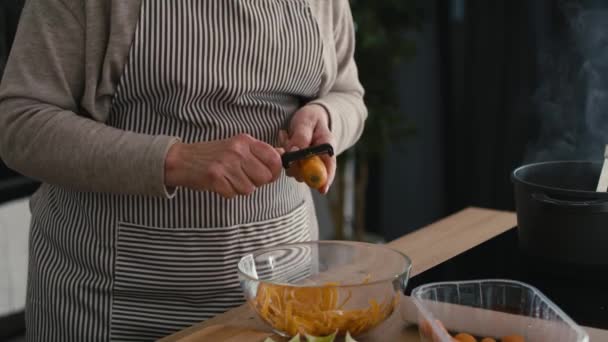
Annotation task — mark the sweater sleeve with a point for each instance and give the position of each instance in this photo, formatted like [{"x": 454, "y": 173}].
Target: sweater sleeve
[
  {"x": 344, "y": 102},
  {"x": 42, "y": 133}
]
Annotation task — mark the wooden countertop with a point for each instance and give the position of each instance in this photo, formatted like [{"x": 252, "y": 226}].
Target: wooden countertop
[{"x": 427, "y": 247}]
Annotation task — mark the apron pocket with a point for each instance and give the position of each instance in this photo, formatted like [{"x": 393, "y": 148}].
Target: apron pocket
[{"x": 166, "y": 279}]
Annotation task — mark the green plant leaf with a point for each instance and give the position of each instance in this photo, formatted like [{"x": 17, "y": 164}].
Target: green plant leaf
[{"x": 295, "y": 338}]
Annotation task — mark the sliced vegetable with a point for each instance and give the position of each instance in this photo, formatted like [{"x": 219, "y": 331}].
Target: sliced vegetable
[
  {"x": 317, "y": 311},
  {"x": 313, "y": 171},
  {"x": 464, "y": 337},
  {"x": 349, "y": 338},
  {"x": 513, "y": 338},
  {"x": 329, "y": 338},
  {"x": 309, "y": 338}
]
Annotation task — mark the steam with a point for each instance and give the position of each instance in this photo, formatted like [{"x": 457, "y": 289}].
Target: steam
[{"x": 573, "y": 98}]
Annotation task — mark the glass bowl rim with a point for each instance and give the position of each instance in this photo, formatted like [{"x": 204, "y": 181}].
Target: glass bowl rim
[{"x": 258, "y": 252}]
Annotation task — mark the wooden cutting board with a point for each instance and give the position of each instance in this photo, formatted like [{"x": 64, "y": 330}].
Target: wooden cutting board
[
  {"x": 242, "y": 325},
  {"x": 427, "y": 247}
]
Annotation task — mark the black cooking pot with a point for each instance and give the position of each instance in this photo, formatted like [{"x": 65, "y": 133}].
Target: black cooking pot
[{"x": 560, "y": 216}]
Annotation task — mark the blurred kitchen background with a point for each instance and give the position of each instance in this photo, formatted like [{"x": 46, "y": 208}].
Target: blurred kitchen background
[{"x": 460, "y": 93}]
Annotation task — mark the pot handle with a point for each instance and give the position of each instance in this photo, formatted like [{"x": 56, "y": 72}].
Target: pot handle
[{"x": 591, "y": 206}]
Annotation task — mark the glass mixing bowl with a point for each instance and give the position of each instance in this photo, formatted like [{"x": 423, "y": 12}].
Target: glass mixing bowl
[{"x": 322, "y": 287}]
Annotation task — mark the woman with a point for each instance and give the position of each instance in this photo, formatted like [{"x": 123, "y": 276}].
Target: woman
[{"x": 154, "y": 126}]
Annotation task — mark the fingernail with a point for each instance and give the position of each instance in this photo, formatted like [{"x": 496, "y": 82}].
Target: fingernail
[{"x": 294, "y": 148}]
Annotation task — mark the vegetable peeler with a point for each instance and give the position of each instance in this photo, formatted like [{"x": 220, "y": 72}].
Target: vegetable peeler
[{"x": 289, "y": 157}]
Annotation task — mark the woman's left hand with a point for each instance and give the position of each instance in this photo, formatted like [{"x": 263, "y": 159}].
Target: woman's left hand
[{"x": 309, "y": 126}]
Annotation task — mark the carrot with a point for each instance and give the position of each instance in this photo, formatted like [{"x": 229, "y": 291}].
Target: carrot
[
  {"x": 463, "y": 337},
  {"x": 313, "y": 170},
  {"x": 317, "y": 311}
]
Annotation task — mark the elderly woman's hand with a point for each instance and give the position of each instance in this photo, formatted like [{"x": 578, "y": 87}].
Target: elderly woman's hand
[
  {"x": 235, "y": 166},
  {"x": 309, "y": 126}
]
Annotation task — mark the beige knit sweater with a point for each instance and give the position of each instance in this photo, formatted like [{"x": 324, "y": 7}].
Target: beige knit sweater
[{"x": 62, "y": 73}]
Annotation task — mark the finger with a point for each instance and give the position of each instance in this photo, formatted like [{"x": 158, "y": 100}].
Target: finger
[
  {"x": 294, "y": 171},
  {"x": 324, "y": 136},
  {"x": 301, "y": 134},
  {"x": 223, "y": 188},
  {"x": 294, "y": 168},
  {"x": 330, "y": 165},
  {"x": 269, "y": 157},
  {"x": 257, "y": 172},
  {"x": 281, "y": 152},
  {"x": 239, "y": 181},
  {"x": 283, "y": 137}
]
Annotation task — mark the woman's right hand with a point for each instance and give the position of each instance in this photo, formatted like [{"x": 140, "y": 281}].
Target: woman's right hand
[{"x": 235, "y": 166}]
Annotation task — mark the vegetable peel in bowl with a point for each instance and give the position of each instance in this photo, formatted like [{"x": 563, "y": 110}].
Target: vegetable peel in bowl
[{"x": 317, "y": 311}]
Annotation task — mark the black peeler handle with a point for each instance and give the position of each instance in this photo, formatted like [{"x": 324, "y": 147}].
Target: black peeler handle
[{"x": 290, "y": 157}]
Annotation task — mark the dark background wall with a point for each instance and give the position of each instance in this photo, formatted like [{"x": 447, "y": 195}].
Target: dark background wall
[
  {"x": 412, "y": 182},
  {"x": 9, "y": 16},
  {"x": 469, "y": 93},
  {"x": 489, "y": 78},
  {"x": 11, "y": 184},
  {"x": 494, "y": 85}
]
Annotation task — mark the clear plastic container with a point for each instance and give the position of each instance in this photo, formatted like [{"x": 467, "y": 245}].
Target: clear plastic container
[{"x": 491, "y": 308}]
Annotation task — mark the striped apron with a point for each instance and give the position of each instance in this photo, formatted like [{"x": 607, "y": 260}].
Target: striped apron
[{"x": 134, "y": 268}]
